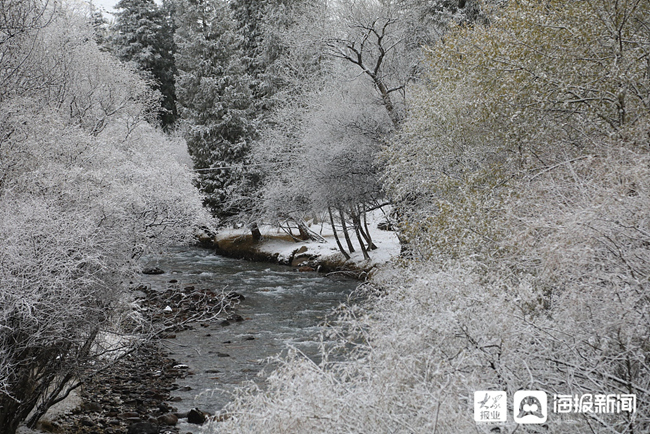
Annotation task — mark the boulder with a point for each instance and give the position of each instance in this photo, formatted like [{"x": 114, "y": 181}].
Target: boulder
[
  {"x": 196, "y": 417},
  {"x": 169, "y": 419},
  {"x": 300, "y": 260},
  {"x": 385, "y": 226},
  {"x": 47, "y": 426},
  {"x": 305, "y": 269}
]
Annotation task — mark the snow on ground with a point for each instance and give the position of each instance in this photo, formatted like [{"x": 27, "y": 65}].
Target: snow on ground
[{"x": 276, "y": 241}]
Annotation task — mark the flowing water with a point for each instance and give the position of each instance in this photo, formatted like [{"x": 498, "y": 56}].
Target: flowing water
[{"x": 282, "y": 307}]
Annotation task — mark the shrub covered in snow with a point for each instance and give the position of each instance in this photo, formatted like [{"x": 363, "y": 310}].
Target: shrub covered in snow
[{"x": 87, "y": 185}]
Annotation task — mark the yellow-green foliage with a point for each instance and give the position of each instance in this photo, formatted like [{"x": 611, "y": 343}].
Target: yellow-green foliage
[
  {"x": 543, "y": 83},
  {"x": 461, "y": 222}
]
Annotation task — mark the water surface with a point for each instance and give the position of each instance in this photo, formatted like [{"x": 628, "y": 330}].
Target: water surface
[{"x": 282, "y": 307}]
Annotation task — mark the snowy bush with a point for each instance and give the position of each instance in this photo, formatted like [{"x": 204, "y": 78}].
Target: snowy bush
[{"x": 86, "y": 187}]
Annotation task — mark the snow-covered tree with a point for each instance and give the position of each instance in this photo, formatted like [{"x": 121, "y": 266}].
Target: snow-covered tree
[
  {"x": 214, "y": 99},
  {"x": 522, "y": 177},
  {"x": 87, "y": 186},
  {"x": 143, "y": 33},
  {"x": 344, "y": 69}
]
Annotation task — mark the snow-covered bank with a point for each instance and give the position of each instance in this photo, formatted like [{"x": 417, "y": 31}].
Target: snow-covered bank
[{"x": 278, "y": 246}]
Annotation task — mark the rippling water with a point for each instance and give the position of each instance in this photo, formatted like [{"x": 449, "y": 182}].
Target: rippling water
[{"x": 282, "y": 307}]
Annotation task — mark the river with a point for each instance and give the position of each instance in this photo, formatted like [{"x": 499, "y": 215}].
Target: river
[{"x": 282, "y": 307}]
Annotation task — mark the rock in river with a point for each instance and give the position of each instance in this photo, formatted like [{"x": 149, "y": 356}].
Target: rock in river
[
  {"x": 168, "y": 419},
  {"x": 143, "y": 428},
  {"x": 196, "y": 417},
  {"x": 152, "y": 270}
]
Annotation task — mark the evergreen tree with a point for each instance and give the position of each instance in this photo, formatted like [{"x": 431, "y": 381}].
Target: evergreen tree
[
  {"x": 214, "y": 98},
  {"x": 265, "y": 51},
  {"x": 144, "y": 34},
  {"x": 258, "y": 49}
]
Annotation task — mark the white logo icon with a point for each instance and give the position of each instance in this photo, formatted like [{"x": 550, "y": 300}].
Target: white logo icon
[
  {"x": 530, "y": 406},
  {"x": 490, "y": 406}
]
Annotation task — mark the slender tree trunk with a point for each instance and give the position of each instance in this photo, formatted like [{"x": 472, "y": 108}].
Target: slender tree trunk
[
  {"x": 289, "y": 231},
  {"x": 361, "y": 243},
  {"x": 255, "y": 232},
  {"x": 336, "y": 236},
  {"x": 53, "y": 395},
  {"x": 344, "y": 226},
  {"x": 367, "y": 236},
  {"x": 49, "y": 401},
  {"x": 356, "y": 219},
  {"x": 387, "y": 101}
]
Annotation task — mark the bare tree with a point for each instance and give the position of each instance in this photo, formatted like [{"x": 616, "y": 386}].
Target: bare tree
[
  {"x": 368, "y": 49},
  {"x": 20, "y": 23}
]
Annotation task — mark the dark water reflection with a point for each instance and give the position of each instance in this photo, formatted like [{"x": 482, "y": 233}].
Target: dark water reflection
[{"x": 282, "y": 307}]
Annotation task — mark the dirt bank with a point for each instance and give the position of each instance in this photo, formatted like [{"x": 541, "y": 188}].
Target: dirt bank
[{"x": 322, "y": 256}]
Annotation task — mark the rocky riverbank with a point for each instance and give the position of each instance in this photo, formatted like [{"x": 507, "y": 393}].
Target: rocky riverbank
[
  {"x": 133, "y": 395},
  {"x": 194, "y": 293},
  {"x": 300, "y": 257}
]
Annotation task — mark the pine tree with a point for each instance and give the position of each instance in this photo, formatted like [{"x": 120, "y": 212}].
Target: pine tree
[
  {"x": 143, "y": 34},
  {"x": 261, "y": 26},
  {"x": 214, "y": 98}
]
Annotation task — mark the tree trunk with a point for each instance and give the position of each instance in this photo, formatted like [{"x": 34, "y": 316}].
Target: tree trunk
[
  {"x": 386, "y": 101},
  {"x": 304, "y": 232},
  {"x": 336, "y": 236},
  {"x": 344, "y": 226},
  {"x": 9, "y": 418},
  {"x": 366, "y": 231},
  {"x": 47, "y": 402},
  {"x": 361, "y": 243},
  {"x": 255, "y": 232}
]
